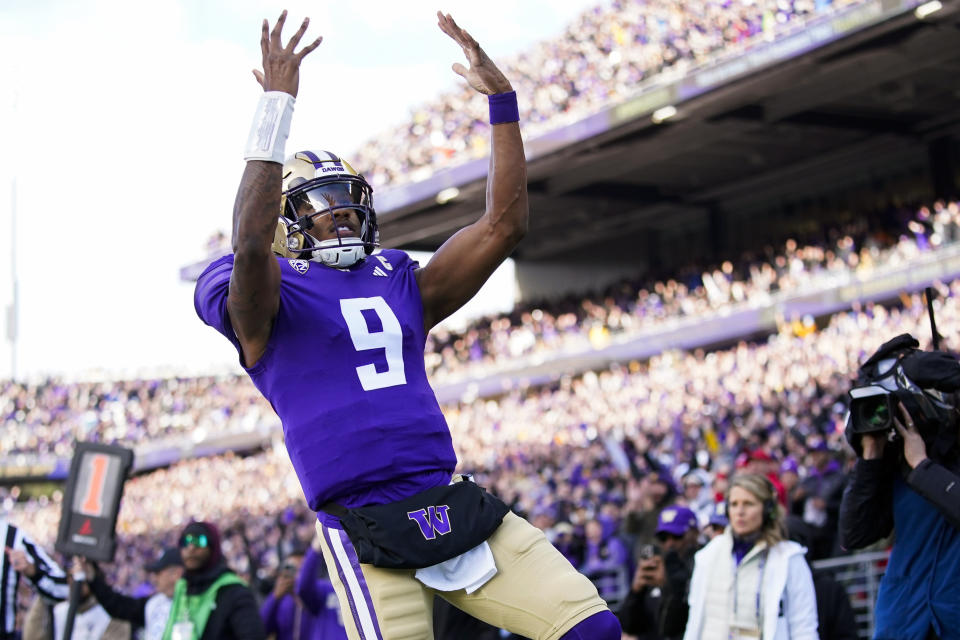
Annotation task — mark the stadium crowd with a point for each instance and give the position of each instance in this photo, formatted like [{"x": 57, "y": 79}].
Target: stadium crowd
[
  {"x": 602, "y": 58},
  {"x": 595, "y": 459},
  {"x": 46, "y": 417},
  {"x": 886, "y": 239},
  {"x": 611, "y": 448}
]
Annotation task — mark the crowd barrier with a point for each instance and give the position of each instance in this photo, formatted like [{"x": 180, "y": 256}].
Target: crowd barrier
[{"x": 860, "y": 575}]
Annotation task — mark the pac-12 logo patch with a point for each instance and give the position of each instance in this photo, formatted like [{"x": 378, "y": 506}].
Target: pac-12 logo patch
[{"x": 300, "y": 265}]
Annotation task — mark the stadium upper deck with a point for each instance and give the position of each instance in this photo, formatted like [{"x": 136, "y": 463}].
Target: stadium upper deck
[
  {"x": 777, "y": 103},
  {"x": 862, "y": 99}
]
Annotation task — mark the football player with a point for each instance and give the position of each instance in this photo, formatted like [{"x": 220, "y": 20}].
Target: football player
[{"x": 332, "y": 332}]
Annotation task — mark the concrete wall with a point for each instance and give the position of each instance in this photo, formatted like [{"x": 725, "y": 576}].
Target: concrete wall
[{"x": 539, "y": 280}]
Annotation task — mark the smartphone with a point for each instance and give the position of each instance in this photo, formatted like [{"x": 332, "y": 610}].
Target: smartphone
[{"x": 649, "y": 551}]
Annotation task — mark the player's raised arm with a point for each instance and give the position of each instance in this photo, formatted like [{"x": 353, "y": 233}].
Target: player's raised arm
[
  {"x": 255, "y": 281},
  {"x": 465, "y": 261}
]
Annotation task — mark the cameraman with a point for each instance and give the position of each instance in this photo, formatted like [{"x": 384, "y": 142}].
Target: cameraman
[
  {"x": 656, "y": 607},
  {"x": 899, "y": 487}
]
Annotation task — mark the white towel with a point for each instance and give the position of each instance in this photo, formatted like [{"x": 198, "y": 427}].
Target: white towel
[{"x": 470, "y": 570}]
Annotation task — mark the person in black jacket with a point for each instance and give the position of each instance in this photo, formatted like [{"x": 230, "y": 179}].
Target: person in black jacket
[
  {"x": 150, "y": 612},
  {"x": 834, "y": 614},
  {"x": 906, "y": 480},
  {"x": 656, "y": 607},
  {"x": 210, "y": 602},
  {"x": 200, "y": 563},
  {"x": 835, "y": 617}
]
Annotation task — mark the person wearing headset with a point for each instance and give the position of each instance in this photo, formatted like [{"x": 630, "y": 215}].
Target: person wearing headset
[{"x": 750, "y": 581}]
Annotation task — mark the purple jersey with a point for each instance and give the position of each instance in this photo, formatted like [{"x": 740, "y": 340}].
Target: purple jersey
[{"x": 344, "y": 371}]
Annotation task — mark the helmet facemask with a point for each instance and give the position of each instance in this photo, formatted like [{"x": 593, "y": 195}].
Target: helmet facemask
[
  {"x": 318, "y": 188},
  {"x": 327, "y": 201}
]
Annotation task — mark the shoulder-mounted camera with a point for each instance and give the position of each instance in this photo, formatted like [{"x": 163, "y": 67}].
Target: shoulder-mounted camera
[{"x": 924, "y": 381}]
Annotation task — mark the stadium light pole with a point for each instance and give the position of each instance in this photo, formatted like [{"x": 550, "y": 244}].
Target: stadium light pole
[{"x": 13, "y": 310}]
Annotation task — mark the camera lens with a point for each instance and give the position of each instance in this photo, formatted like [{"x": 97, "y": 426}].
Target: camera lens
[
  {"x": 875, "y": 413},
  {"x": 871, "y": 414}
]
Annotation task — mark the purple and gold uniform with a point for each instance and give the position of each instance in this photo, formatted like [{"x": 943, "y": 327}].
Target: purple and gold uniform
[
  {"x": 336, "y": 345},
  {"x": 361, "y": 422},
  {"x": 344, "y": 370}
]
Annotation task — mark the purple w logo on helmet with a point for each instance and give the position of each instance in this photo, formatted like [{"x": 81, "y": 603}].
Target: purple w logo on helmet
[{"x": 433, "y": 521}]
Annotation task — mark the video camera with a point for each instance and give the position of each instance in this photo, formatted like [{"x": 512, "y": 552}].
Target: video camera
[{"x": 923, "y": 381}]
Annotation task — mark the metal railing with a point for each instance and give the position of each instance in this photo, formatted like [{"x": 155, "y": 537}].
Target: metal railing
[
  {"x": 613, "y": 584},
  {"x": 860, "y": 576}
]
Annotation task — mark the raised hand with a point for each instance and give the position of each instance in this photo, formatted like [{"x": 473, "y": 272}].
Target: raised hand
[
  {"x": 483, "y": 75},
  {"x": 20, "y": 562},
  {"x": 873, "y": 445},
  {"x": 283, "y": 585},
  {"x": 281, "y": 64},
  {"x": 82, "y": 567},
  {"x": 650, "y": 573}
]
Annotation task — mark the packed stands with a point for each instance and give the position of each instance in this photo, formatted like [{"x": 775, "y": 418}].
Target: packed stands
[
  {"x": 753, "y": 280},
  {"x": 610, "y": 445},
  {"x": 43, "y": 419},
  {"x": 565, "y": 454},
  {"x": 602, "y": 58}
]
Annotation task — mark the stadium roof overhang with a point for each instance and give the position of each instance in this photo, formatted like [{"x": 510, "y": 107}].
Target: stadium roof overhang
[{"x": 859, "y": 96}]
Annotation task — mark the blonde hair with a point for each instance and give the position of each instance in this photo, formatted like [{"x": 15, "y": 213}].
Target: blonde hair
[{"x": 773, "y": 529}]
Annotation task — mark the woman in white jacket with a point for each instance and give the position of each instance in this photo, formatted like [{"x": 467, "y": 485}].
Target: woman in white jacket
[{"x": 750, "y": 582}]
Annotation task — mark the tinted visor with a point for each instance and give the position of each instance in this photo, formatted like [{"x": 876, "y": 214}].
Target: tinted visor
[{"x": 324, "y": 198}]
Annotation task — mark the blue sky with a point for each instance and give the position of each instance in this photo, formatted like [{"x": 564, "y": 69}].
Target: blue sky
[{"x": 124, "y": 125}]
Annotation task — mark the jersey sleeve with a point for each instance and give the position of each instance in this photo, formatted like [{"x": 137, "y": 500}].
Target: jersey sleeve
[
  {"x": 49, "y": 579},
  {"x": 210, "y": 297}
]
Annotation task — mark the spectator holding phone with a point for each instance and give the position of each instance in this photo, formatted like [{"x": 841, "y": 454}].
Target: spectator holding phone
[
  {"x": 282, "y": 611},
  {"x": 656, "y": 607}
]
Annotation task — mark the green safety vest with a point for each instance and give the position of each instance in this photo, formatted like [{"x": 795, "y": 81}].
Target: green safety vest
[{"x": 196, "y": 609}]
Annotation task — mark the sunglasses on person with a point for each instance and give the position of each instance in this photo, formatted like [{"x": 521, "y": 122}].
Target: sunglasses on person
[
  {"x": 667, "y": 535},
  {"x": 200, "y": 541}
]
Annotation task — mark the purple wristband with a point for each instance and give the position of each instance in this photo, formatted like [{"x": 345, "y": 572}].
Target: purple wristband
[{"x": 503, "y": 108}]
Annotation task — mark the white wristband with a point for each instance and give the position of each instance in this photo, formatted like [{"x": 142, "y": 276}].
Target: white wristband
[{"x": 270, "y": 127}]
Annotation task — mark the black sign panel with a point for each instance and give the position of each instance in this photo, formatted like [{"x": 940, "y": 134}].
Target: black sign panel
[{"x": 94, "y": 488}]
